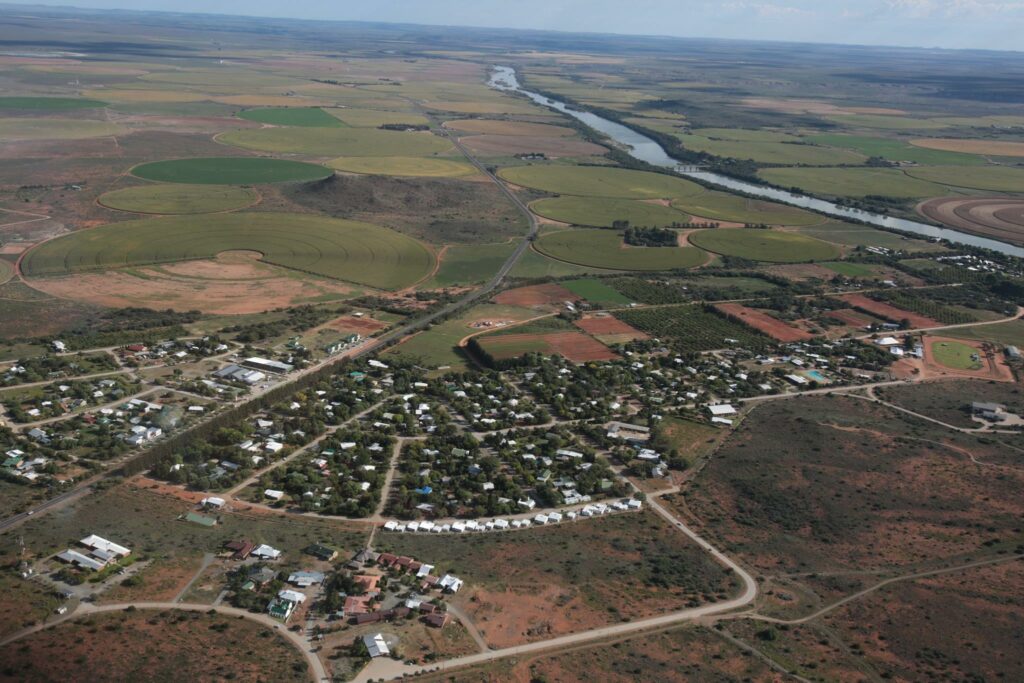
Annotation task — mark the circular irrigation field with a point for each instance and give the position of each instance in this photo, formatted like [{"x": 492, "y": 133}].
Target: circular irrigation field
[
  {"x": 230, "y": 171},
  {"x": 720, "y": 206},
  {"x": 600, "y": 212},
  {"x": 175, "y": 199},
  {"x": 422, "y": 167},
  {"x": 605, "y": 249},
  {"x": 600, "y": 181},
  {"x": 345, "y": 250},
  {"x": 772, "y": 246},
  {"x": 1001, "y": 218}
]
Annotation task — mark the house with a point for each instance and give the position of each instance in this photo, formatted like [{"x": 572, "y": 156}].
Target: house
[
  {"x": 450, "y": 583},
  {"x": 368, "y": 582},
  {"x": 98, "y": 543},
  {"x": 375, "y": 645},
  {"x": 239, "y": 549},
  {"x": 437, "y": 619},
  {"x": 721, "y": 410},
  {"x": 321, "y": 552},
  {"x": 305, "y": 579},
  {"x": 212, "y": 502},
  {"x": 356, "y": 605},
  {"x": 266, "y": 552},
  {"x": 273, "y": 494}
]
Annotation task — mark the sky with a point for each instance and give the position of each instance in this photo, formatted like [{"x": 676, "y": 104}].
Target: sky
[{"x": 982, "y": 24}]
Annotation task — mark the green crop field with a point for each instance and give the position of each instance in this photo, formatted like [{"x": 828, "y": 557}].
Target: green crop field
[
  {"x": 771, "y": 152},
  {"x": 56, "y": 129},
  {"x": 956, "y": 355},
  {"x": 772, "y": 246},
  {"x": 346, "y": 250},
  {"x": 605, "y": 249},
  {"x": 746, "y": 135},
  {"x": 693, "y": 328},
  {"x": 599, "y": 181},
  {"x": 848, "y": 234},
  {"x": 896, "y": 150},
  {"x": 469, "y": 264},
  {"x": 853, "y": 182},
  {"x": 993, "y": 178},
  {"x": 372, "y": 118},
  {"x": 422, "y": 167},
  {"x": 176, "y": 198},
  {"x": 533, "y": 264},
  {"x": 884, "y": 122},
  {"x": 320, "y": 142},
  {"x": 50, "y": 103},
  {"x": 230, "y": 171},
  {"x": 722, "y": 206},
  {"x": 304, "y": 117},
  {"x": 595, "y": 291},
  {"x": 601, "y": 213}
]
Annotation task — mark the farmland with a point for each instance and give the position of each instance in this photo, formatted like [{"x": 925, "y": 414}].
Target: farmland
[
  {"x": 55, "y": 129},
  {"x": 594, "y": 181},
  {"x": 1001, "y": 218},
  {"x": 572, "y": 346},
  {"x": 49, "y": 103},
  {"x": 425, "y": 167},
  {"x": 888, "y": 312},
  {"x": 230, "y": 171},
  {"x": 345, "y": 250},
  {"x": 497, "y": 127},
  {"x": 179, "y": 199},
  {"x": 305, "y": 117},
  {"x": 604, "y": 213},
  {"x": 692, "y": 328},
  {"x": 372, "y": 118},
  {"x": 772, "y": 246},
  {"x": 728, "y": 207},
  {"x": 986, "y": 147},
  {"x": 896, "y": 150},
  {"x": 771, "y": 152},
  {"x": 595, "y": 291},
  {"x": 764, "y": 323},
  {"x": 333, "y": 142},
  {"x": 605, "y": 249},
  {"x": 993, "y": 178},
  {"x": 853, "y": 182},
  {"x": 467, "y": 264}
]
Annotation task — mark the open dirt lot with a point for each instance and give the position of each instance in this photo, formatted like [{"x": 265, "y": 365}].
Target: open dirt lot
[
  {"x": 887, "y": 311},
  {"x": 536, "y": 296},
  {"x": 1001, "y": 218},
  {"x": 610, "y": 330},
  {"x": 762, "y": 322}
]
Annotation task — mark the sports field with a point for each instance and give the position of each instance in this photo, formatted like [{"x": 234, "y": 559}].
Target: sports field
[
  {"x": 422, "y": 167},
  {"x": 304, "y": 117},
  {"x": 230, "y": 171},
  {"x": 599, "y": 181},
  {"x": 175, "y": 198},
  {"x": 895, "y": 150},
  {"x": 55, "y": 129},
  {"x": 853, "y": 182},
  {"x": 722, "y": 206},
  {"x": 956, "y": 355},
  {"x": 772, "y": 246},
  {"x": 994, "y": 178},
  {"x": 598, "y": 212},
  {"x": 324, "y": 142},
  {"x": 50, "y": 103},
  {"x": 345, "y": 250},
  {"x": 605, "y": 249}
]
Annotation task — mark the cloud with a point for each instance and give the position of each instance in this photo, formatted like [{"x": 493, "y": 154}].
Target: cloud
[
  {"x": 955, "y": 8},
  {"x": 764, "y": 9}
]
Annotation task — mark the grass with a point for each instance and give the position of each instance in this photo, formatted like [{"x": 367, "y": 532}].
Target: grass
[
  {"x": 895, "y": 150},
  {"x": 746, "y": 135},
  {"x": 949, "y": 401},
  {"x": 1007, "y": 334},
  {"x": 533, "y": 265},
  {"x": 496, "y": 127},
  {"x": 688, "y": 438},
  {"x": 304, "y": 117},
  {"x": 853, "y": 182},
  {"x": 437, "y": 345},
  {"x": 956, "y": 355},
  {"x": 599, "y": 212},
  {"x": 884, "y": 122},
  {"x": 771, "y": 152},
  {"x": 772, "y": 246},
  {"x": 850, "y": 269},
  {"x": 230, "y": 171},
  {"x": 595, "y": 291},
  {"x": 722, "y": 206},
  {"x": 332, "y": 142},
  {"x": 373, "y": 118},
  {"x": 605, "y": 249},
  {"x": 600, "y": 181},
  {"x": 50, "y": 103},
  {"x": 993, "y": 178},
  {"x": 422, "y": 167},
  {"x": 852, "y": 235},
  {"x": 179, "y": 199},
  {"x": 469, "y": 264},
  {"x": 56, "y": 129},
  {"x": 345, "y": 250}
]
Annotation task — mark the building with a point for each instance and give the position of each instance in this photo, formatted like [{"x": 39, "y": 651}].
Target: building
[
  {"x": 239, "y": 549},
  {"x": 721, "y": 410},
  {"x": 375, "y": 645},
  {"x": 266, "y": 552},
  {"x": 267, "y": 365},
  {"x": 437, "y": 619},
  {"x": 321, "y": 552},
  {"x": 305, "y": 579}
]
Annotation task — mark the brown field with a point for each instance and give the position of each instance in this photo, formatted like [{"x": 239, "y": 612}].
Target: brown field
[
  {"x": 573, "y": 346},
  {"x": 802, "y": 271},
  {"x": 994, "y": 365},
  {"x": 161, "y": 581},
  {"x": 853, "y": 318},
  {"x": 536, "y": 295},
  {"x": 363, "y": 326},
  {"x": 762, "y": 322},
  {"x": 1001, "y": 218},
  {"x": 496, "y": 127},
  {"x": 997, "y": 148},
  {"x": 798, "y": 106},
  {"x": 610, "y": 330},
  {"x": 154, "y": 646},
  {"x": 888, "y": 312},
  {"x": 507, "y": 145}
]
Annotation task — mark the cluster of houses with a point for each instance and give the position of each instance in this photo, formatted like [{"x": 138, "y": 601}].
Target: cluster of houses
[
  {"x": 19, "y": 464},
  {"x": 464, "y": 526},
  {"x": 95, "y": 554},
  {"x": 172, "y": 352},
  {"x": 59, "y": 399}
]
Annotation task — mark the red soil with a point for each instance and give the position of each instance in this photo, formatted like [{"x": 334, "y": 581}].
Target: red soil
[
  {"x": 850, "y": 317},
  {"x": 536, "y": 295},
  {"x": 762, "y": 322},
  {"x": 888, "y": 312},
  {"x": 610, "y": 327}
]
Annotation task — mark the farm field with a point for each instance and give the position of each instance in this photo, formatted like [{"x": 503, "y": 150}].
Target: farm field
[
  {"x": 468, "y": 264},
  {"x": 595, "y": 291},
  {"x": 572, "y": 346},
  {"x": 897, "y": 150},
  {"x": 593, "y": 181},
  {"x": 151, "y": 645},
  {"x": 848, "y": 234},
  {"x": 771, "y": 152},
  {"x": 692, "y": 327},
  {"x": 373, "y": 118},
  {"x": 853, "y": 182},
  {"x": 334, "y": 142},
  {"x": 1000, "y": 218},
  {"x": 772, "y": 246},
  {"x": 993, "y": 178},
  {"x": 438, "y": 346},
  {"x": 500, "y": 127},
  {"x": 346, "y": 250},
  {"x": 50, "y": 103},
  {"x": 609, "y": 330},
  {"x": 955, "y": 355},
  {"x": 887, "y": 311},
  {"x": 985, "y": 147},
  {"x": 424, "y": 167},
  {"x": 722, "y": 206},
  {"x": 553, "y": 147},
  {"x": 230, "y": 171},
  {"x": 886, "y": 121},
  {"x": 764, "y": 323},
  {"x": 306, "y": 117},
  {"x": 176, "y": 199},
  {"x": 603, "y": 213},
  {"x": 6, "y": 271},
  {"x": 547, "y": 295},
  {"x": 534, "y": 264},
  {"x": 55, "y": 129},
  {"x": 1008, "y": 333},
  {"x": 605, "y": 249}
]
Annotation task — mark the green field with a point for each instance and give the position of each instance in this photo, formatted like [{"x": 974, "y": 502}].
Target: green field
[
  {"x": 956, "y": 355},
  {"x": 421, "y": 167},
  {"x": 895, "y": 150},
  {"x": 56, "y": 129},
  {"x": 469, "y": 264},
  {"x": 884, "y": 122},
  {"x": 853, "y": 182},
  {"x": 372, "y": 118},
  {"x": 605, "y": 249},
  {"x": 772, "y": 246},
  {"x": 437, "y": 345},
  {"x": 1007, "y": 334},
  {"x": 533, "y": 264},
  {"x": 993, "y": 178},
  {"x": 746, "y": 135},
  {"x": 345, "y": 250},
  {"x": 179, "y": 199},
  {"x": 599, "y": 181},
  {"x": 50, "y": 103},
  {"x": 333, "y": 142},
  {"x": 598, "y": 212},
  {"x": 771, "y": 152},
  {"x": 230, "y": 171},
  {"x": 848, "y": 234},
  {"x": 722, "y": 206},
  {"x": 303, "y": 117},
  {"x": 595, "y": 291}
]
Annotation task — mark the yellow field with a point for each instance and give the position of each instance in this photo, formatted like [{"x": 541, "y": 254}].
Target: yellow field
[
  {"x": 56, "y": 129},
  {"x": 987, "y": 147},
  {"x": 403, "y": 166},
  {"x": 372, "y": 118}
]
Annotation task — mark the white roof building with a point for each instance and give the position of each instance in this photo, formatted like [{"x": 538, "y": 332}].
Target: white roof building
[
  {"x": 267, "y": 552},
  {"x": 721, "y": 409},
  {"x": 375, "y": 644},
  {"x": 99, "y": 543}
]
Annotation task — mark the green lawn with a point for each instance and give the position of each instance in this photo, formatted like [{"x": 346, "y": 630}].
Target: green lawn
[
  {"x": 956, "y": 355},
  {"x": 333, "y": 142},
  {"x": 853, "y": 182},
  {"x": 600, "y": 212},
  {"x": 896, "y": 150},
  {"x": 176, "y": 198},
  {"x": 304, "y": 117},
  {"x": 721, "y": 206},
  {"x": 595, "y": 291},
  {"x": 605, "y": 249},
  {"x": 230, "y": 171},
  {"x": 600, "y": 181},
  {"x": 772, "y": 246}
]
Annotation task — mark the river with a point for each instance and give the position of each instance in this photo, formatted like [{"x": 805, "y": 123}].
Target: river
[{"x": 643, "y": 148}]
